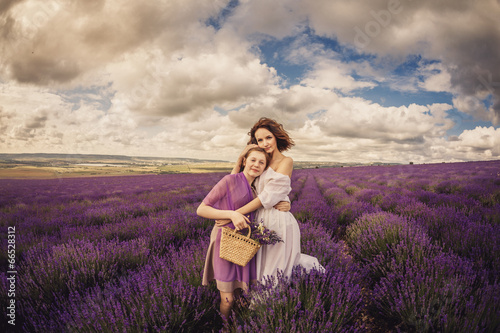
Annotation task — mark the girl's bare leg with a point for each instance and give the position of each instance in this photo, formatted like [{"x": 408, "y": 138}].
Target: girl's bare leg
[{"x": 226, "y": 303}]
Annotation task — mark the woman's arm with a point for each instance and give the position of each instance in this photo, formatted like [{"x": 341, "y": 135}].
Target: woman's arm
[
  {"x": 239, "y": 220},
  {"x": 236, "y": 168}
]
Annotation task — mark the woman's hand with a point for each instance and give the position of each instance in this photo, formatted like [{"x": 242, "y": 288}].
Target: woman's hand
[
  {"x": 239, "y": 161},
  {"x": 239, "y": 220},
  {"x": 246, "y": 149},
  {"x": 283, "y": 206}
]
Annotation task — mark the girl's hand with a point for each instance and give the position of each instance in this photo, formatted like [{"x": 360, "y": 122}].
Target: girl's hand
[
  {"x": 221, "y": 223},
  {"x": 283, "y": 206},
  {"x": 240, "y": 221}
]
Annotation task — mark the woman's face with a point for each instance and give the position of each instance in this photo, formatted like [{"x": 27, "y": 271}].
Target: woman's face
[
  {"x": 266, "y": 140},
  {"x": 255, "y": 164}
]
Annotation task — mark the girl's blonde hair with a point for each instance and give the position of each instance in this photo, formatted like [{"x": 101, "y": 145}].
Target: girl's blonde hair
[{"x": 268, "y": 158}]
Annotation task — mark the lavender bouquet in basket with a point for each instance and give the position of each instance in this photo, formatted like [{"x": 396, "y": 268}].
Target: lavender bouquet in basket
[{"x": 263, "y": 235}]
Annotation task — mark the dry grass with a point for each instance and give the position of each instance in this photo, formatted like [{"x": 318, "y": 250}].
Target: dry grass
[{"x": 48, "y": 172}]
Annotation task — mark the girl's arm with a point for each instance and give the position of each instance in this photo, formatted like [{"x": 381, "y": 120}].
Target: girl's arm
[
  {"x": 239, "y": 220},
  {"x": 250, "y": 207},
  {"x": 283, "y": 206}
]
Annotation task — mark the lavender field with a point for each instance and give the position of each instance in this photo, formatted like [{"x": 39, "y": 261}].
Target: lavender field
[{"x": 413, "y": 248}]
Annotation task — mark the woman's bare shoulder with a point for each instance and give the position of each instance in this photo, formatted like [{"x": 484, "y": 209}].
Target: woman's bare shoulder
[
  {"x": 288, "y": 159},
  {"x": 285, "y": 166}
]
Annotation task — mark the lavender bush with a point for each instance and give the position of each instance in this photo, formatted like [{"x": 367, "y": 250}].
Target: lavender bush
[
  {"x": 305, "y": 302},
  {"x": 405, "y": 248},
  {"x": 380, "y": 239},
  {"x": 166, "y": 295},
  {"x": 440, "y": 293}
]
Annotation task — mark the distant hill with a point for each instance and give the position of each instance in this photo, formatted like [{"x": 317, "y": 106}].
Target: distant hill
[
  {"x": 41, "y": 158},
  {"x": 46, "y": 166}
]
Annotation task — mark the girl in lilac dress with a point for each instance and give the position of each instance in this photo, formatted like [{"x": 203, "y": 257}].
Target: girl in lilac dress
[{"x": 230, "y": 193}]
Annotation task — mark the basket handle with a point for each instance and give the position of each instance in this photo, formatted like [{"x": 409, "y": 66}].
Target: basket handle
[{"x": 249, "y": 231}]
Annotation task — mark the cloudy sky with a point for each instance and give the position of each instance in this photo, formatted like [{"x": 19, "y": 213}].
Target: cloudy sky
[{"x": 360, "y": 81}]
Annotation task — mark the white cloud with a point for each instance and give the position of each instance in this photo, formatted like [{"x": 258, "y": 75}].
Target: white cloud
[
  {"x": 475, "y": 106},
  {"x": 57, "y": 41},
  {"x": 331, "y": 74},
  {"x": 300, "y": 100},
  {"x": 219, "y": 71},
  {"x": 277, "y": 18},
  {"x": 480, "y": 139},
  {"x": 436, "y": 78},
  {"x": 464, "y": 35},
  {"x": 154, "y": 79},
  {"x": 356, "y": 118}
]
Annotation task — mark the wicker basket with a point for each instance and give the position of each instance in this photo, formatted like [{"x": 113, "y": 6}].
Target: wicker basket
[{"x": 237, "y": 248}]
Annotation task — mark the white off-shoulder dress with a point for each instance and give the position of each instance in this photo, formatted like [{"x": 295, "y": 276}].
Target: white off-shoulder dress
[{"x": 273, "y": 187}]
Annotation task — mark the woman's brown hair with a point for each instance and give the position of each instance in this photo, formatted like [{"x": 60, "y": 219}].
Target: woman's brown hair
[{"x": 283, "y": 140}]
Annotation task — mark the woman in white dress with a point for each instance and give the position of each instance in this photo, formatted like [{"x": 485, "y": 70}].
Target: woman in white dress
[{"x": 273, "y": 186}]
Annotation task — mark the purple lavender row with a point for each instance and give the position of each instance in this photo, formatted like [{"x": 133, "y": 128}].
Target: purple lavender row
[
  {"x": 88, "y": 248},
  {"x": 466, "y": 222},
  {"x": 417, "y": 285},
  {"x": 67, "y": 252}
]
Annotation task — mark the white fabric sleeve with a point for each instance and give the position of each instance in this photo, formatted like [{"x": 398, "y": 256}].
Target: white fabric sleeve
[{"x": 275, "y": 189}]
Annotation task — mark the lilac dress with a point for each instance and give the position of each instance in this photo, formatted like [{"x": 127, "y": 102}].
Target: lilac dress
[{"x": 230, "y": 193}]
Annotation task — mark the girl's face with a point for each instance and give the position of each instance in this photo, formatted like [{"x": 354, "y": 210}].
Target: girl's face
[
  {"x": 255, "y": 164},
  {"x": 266, "y": 140}
]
